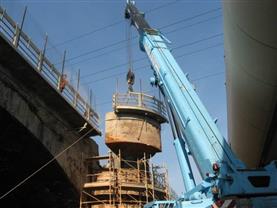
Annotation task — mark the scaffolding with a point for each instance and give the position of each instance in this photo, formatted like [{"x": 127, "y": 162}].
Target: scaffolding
[{"x": 123, "y": 183}]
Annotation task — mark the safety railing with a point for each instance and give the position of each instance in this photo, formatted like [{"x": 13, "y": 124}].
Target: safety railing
[
  {"x": 24, "y": 45},
  {"x": 139, "y": 100}
]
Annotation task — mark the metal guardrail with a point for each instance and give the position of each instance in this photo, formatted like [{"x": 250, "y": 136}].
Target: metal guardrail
[
  {"x": 140, "y": 100},
  {"x": 23, "y": 44}
]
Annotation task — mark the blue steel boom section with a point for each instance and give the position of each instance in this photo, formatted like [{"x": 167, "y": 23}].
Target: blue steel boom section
[{"x": 195, "y": 133}]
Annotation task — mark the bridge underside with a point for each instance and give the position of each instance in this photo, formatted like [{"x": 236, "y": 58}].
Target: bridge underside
[{"x": 20, "y": 155}]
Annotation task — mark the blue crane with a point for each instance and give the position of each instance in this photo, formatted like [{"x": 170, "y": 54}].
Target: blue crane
[{"x": 195, "y": 133}]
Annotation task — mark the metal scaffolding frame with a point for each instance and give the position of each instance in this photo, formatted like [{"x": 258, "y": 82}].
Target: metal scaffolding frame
[{"x": 123, "y": 183}]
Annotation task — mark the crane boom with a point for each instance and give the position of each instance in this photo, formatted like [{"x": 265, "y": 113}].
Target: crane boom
[{"x": 195, "y": 132}]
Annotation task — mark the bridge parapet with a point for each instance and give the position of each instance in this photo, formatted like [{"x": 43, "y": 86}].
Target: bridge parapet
[{"x": 22, "y": 43}]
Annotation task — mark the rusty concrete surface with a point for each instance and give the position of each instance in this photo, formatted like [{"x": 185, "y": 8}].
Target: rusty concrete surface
[{"x": 133, "y": 134}]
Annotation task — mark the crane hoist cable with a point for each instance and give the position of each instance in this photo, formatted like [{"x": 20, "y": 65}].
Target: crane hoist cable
[{"x": 130, "y": 77}]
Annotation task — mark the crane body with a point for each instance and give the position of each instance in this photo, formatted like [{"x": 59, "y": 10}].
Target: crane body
[{"x": 195, "y": 133}]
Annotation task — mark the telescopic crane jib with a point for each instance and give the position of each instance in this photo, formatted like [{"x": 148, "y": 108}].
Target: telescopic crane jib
[{"x": 195, "y": 133}]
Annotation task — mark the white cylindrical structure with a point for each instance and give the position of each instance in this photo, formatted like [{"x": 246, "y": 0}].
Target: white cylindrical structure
[{"x": 250, "y": 31}]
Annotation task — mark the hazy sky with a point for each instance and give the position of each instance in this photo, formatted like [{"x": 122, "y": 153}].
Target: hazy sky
[{"x": 93, "y": 33}]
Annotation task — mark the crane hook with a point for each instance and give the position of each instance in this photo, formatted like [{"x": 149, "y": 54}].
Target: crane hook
[{"x": 130, "y": 80}]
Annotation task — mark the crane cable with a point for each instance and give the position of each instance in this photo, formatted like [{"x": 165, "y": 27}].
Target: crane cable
[
  {"x": 46, "y": 164},
  {"x": 129, "y": 47},
  {"x": 130, "y": 74}
]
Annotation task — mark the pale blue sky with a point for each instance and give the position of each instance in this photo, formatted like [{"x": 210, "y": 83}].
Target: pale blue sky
[{"x": 198, "y": 42}]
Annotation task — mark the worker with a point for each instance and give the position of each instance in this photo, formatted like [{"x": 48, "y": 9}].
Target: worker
[{"x": 63, "y": 82}]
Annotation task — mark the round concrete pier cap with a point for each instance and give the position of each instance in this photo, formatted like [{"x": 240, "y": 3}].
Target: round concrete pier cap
[{"x": 132, "y": 134}]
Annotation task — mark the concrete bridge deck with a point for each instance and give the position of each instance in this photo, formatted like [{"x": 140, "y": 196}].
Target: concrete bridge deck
[{"x": 38, "y": 120}]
